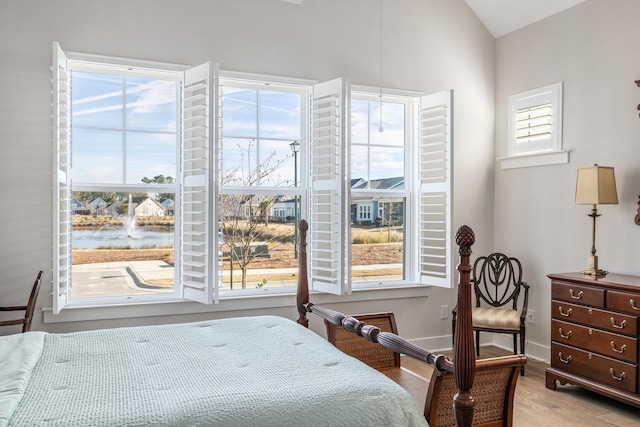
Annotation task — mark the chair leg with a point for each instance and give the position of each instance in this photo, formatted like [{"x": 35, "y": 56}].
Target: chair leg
[
  {"x": 478, "y": 343},
  {"x": 453, "y": 329},
  {"x": 515, "y": 343},
  {"x": 522, "y": 341}
]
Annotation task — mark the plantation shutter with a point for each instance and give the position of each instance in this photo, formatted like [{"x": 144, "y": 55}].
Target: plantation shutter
[
  {"x": 200, "y": 273},
  {"x": 435, "y": 183},
  {"x": 61, "y": 181},
  {"x": 329, "y": 225}
]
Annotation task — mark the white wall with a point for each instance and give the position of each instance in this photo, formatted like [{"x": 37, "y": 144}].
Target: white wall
[
  {"x": 429, "y": 45},
  {"x": 594, "y": 48}
]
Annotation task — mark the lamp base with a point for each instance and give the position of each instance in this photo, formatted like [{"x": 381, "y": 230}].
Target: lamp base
[{"x": 592, "y": 268}]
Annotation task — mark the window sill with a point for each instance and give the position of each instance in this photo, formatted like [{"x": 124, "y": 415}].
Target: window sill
[
  {"x": 534, "y": 159},
  {"x": 177, "y": 306}
]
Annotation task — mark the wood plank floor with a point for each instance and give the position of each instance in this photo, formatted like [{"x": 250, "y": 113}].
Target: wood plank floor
[{"x": 567, "y": 406}]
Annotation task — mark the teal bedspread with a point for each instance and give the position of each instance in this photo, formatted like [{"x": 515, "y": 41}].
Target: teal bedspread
[{"x": 257, "y": 371}]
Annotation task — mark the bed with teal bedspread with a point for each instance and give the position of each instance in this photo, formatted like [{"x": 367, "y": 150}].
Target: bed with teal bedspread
[{"x": 253, "y": 371}]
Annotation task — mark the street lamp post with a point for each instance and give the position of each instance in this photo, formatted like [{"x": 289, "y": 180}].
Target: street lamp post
[{"x": 295, "y": 148}]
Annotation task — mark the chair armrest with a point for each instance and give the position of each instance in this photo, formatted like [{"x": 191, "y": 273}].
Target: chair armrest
[
  {"x": 525, "y": 299},
  {"x": 14, "y": 308}
]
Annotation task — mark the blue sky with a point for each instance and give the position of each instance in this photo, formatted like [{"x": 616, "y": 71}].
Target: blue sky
[{"x": 103, "y": 105}]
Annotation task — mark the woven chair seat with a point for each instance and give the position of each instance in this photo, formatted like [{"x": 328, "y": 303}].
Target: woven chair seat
[{"x": 495, "y": 318}]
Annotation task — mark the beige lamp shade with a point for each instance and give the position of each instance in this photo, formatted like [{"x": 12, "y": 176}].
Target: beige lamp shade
[{"x": 596, "y": 186}]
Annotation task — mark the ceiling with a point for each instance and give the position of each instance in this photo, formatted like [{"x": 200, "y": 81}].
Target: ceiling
[{"x": 504, "y": 16}]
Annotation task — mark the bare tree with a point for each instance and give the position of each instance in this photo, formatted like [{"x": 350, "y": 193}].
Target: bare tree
[
  {"x": 392, "y": 214},
  {"x": 245, "y": 217}
]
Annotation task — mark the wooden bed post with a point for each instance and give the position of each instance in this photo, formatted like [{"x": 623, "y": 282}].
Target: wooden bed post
[
  {"x": 464, "y": 355},
  {"x": 302, "y": 295}
]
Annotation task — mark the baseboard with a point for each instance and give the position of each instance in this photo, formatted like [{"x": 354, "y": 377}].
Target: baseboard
[
  {"x": 434, "y": 344},
  {"x": 532, "y": 350},
  {"x": 444, "y": 343}
]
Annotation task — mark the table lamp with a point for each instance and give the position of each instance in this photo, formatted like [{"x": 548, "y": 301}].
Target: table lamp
[{"x": 595, "y": 186}]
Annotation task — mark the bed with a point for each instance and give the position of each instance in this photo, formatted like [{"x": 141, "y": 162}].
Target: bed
[
  {"x": 257, "y": 371},
  {"x": 253, "y": 371}
]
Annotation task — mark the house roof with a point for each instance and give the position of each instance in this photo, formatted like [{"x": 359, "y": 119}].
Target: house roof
[{"x": 379, "y": 184}]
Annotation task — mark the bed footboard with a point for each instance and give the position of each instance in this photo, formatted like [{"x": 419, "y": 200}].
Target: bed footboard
[{"x": 464, "y": 362}]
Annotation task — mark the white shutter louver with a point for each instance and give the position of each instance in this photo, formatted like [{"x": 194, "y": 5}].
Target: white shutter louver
[
  {"x": 329, "y": 225},
  {"x": 535, "y": 121},
  {"x": 435, "y": 183},
  {"x": 199, "y": 234},
  {"x": 61, "y": 183}
]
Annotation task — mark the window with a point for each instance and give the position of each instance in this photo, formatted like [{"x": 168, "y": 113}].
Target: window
[
  {"x": 124, "y": 149},
  {"x": 260, "y": 184},
  {"x": 535, "y": 128},
  {"x": 140, "y": 137},
  {"x": 208, "y": 177},
  {"x": 380, "y": 144}
]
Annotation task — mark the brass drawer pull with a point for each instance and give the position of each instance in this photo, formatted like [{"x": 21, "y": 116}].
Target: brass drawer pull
[
  {"x": 622, "y": 349},
  {"x": 633, "y": 305},
  {"x": 615, "y": 377},
  {"x": 567, "y": 360},
  {"x": 622, "y": 324},
  {"x": 568, "y": 334},
  {"x": 567, "y": 314},
  {"x": 580, "y": 294}
]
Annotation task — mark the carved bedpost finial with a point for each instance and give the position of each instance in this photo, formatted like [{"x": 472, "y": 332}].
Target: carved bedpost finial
[
  {"x": 302, "y": 296},
  {"x": 464, "y": 355},
  {"x": 465, "y": 238}
]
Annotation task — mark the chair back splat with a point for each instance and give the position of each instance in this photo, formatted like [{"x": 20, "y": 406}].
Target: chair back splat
[{"x": 497, "y": 280}]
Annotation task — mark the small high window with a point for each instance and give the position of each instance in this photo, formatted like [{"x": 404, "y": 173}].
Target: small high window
[{"x": 535, "y": 128}]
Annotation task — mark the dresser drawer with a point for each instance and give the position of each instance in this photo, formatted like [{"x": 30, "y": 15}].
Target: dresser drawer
[
  {"x": 627, "y": 302},
  {"x": 621, "y": 375},
  {"x": 602, "y": 319},
  {"x": 580, "y": 294},
  {"x": 595, "y": 340}
]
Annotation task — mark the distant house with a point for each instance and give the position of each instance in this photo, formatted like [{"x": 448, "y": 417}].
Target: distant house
[
  {"x": 98, "y": 206},
  {"x": 283, "y": 209},
  {"x": 114, "y": 208},
  {"x": 149, "y": 207},
  {"x": 368, "y": 211},
  {"x": 169, "y": 206},
  {"x": 77, "y": 208}
]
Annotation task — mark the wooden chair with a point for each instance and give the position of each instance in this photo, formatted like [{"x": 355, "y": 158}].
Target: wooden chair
[
  {"x": 377, "y": 356},
  {"x": 28, "y": 309},
  {"x": 497, "y": 281},
  {"x": 493, "y": 389}
]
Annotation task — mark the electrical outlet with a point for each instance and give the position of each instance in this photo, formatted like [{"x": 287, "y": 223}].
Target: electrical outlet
[
  {"x": 444, "y": 311},
  {"x": 531, "y": 317}
]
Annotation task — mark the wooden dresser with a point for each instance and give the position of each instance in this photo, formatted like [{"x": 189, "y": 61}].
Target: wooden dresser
[{"x": 594, "y": 334}]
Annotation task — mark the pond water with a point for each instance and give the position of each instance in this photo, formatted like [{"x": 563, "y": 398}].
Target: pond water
[{"x": 116, "y": 238}]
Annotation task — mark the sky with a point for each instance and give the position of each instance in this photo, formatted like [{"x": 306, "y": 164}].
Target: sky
[{"x": 124, "y": 130}]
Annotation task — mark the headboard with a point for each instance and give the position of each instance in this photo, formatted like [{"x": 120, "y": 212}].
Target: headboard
[{"x": 464, "y": 359}]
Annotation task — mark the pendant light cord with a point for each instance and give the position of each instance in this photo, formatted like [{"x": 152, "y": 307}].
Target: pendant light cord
[{"x": 380, "y": 129}]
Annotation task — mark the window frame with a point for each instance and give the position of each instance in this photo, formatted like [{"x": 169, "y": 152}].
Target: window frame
[
  {"x": 410, "y": 192},
  {"x": 541, "y": 151},
  {"x": 110, "y": 66},
  {"x": 410, "y": 100}
]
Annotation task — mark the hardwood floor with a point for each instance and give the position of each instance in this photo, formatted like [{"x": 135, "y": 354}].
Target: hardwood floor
[{"x": 567, "y": 406}]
